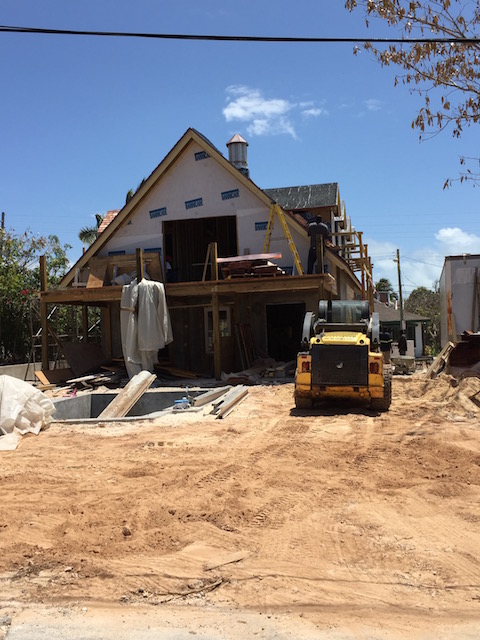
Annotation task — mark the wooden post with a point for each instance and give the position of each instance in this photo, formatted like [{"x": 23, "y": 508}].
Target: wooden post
[
  {"x": 139, "y": 255},
  {"x": 474, "y": 301},
  {"x": 217, "y": 356},
  {"x": 85, "y": 323},
  {"x": 107, "y": 332},
  {"x": 44, "y": 313},
  {"x": 214, "y": 256}
]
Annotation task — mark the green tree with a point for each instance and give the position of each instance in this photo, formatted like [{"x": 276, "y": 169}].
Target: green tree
[
  {"x": 19, "y": 284},
  {"x": 384, "y": 284},
  {"x": 132, "y": 192},
  {"x": 443, "y": 68},
  {"x": 87, "y": 235},
  {"x": 425, "y": 302}
]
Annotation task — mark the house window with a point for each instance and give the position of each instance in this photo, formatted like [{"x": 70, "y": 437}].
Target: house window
[{"x": 225, "y": 326}]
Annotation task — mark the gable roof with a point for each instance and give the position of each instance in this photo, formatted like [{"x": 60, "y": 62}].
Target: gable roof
[
  {"x": 306, "y": 196},
  {"x": 388, "y": 313},
  {"x": 189, "y": 137}
]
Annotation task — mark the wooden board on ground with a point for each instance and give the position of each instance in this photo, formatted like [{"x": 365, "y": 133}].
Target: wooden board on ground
[
  {"x": 128, "y": 396},
  {"x": 174, "y": 372},
  {"x": 53, "y": 376}
]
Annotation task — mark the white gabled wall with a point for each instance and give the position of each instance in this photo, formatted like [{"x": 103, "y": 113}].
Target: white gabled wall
[{"x": 194, "y": 187}]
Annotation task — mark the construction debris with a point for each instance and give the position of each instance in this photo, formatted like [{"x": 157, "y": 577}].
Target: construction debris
[
  {"x": 280, "y": 370},
  {"x": 227, "y": 403},
  {"x": 250, "y": 265},
  {"x": 403, "y": 364},
  {"x": 23, "y": 409},
  {"x": 440, "y": 361},
  {"x": 248, "y": 376},
  {"x": 209, "y": 396}
]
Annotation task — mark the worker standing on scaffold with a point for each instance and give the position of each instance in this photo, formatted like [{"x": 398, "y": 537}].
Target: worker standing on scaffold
[{"x": 315, "y": 228}]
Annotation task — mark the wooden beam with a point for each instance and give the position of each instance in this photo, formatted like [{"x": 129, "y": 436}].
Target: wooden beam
[
  {"x": 94, "y": 296},
  {"x": 250, "y": 285},
  {"x": 103, "y": 295},
  {"x": 128, "y": 396},
  {"x": 217, "y": 355},
  {"x": 139, "y": 263},
  {"x": 44, "y": 312},
  {"x": 107, "y": 332},
  {"x": 125, "y": 259},
  {"x": 207, "y": 260},
  {"x": 85, "y": 323},
  {"x": 214, "y": 263}
]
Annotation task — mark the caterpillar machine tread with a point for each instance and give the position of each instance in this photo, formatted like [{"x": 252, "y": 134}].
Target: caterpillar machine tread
[{"x": 340, "y": 357}]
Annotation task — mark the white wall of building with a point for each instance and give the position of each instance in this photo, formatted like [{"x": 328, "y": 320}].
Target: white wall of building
[
  {"x": 194, "y": 187},
  {"x": 458, "y": 282}
]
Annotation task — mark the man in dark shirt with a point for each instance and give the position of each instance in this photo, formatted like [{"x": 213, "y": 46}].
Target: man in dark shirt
[
  {"x": 385, "y": 345},
  {"x": 315, "y": 228},
  {"x": 402, "y": 344}
]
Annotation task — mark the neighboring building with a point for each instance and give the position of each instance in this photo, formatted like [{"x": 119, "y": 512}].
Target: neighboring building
[
  {"x": 459, "y": 297},
  {"x": 196, "y": 197},
  {"x": 389, "y": 316}
]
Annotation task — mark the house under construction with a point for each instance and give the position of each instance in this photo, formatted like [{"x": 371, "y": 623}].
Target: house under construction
[{"x": 231, "y": 257}]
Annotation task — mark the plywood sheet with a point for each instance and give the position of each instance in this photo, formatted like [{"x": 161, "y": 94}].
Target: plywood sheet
[
  {"x": 96, "y": 277},
  {"x": 53, "y": 376},
  {"x": 83, "y": 358}
]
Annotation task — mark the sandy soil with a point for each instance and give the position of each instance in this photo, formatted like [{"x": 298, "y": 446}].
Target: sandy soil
[{"x": 337, "y": 522}]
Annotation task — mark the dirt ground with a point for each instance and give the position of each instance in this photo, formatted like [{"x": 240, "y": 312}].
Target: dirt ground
[{"x": 336, "y": 523}]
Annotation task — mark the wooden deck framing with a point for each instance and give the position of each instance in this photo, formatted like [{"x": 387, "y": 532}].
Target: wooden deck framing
[{"x": 182, "y": 295}]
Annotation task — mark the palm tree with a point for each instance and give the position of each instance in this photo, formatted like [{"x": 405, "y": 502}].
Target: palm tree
[
  {"x": 88, "y": 235},
  {"x": 131, "y": 193}
]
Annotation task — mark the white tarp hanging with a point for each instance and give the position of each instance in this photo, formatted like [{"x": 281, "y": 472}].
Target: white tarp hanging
[
  {"x": 145, "y": 324},
  {"x": 23, "y": 409}
]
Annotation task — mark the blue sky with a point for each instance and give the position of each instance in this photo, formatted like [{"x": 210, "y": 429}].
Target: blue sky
[{"x": 84, "y": 119}]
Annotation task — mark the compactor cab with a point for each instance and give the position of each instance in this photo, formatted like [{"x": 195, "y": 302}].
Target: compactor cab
[{"x": 340, "y": 357}]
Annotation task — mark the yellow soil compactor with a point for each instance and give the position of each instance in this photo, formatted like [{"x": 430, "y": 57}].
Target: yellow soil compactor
[{"x": 340, "y": 357}]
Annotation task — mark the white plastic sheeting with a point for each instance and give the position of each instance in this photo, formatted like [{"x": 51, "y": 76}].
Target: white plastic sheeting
[
  {"x": 145, "y": 324},
  {"x": 23, "y": 409}
]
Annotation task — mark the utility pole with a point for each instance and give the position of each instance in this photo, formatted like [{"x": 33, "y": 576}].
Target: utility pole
[
  {"x": 1, "y": 235},
  {"x": 402, "y": 326}
]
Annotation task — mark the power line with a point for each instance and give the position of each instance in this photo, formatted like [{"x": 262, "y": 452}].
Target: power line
[
  {"x": 422, "y": 262},
  {"x": 390, "y": 256},
  {"x": 219, "y": 38}
]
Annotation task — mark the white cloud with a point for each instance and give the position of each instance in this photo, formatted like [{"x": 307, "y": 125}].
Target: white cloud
[
  {"x": 314, "y": 112},
  {"x": 265, "y": 116},
  {"x": 423, "y": 266},
  {"x": 419, "y": 267},
  {"x": 373, "y": 104},
  {"x": 454, "y": 241}
]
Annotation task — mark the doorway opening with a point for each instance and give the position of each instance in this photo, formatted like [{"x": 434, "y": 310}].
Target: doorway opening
[
  {"x": 186, "y": 243},
  {"x": 284, "y": 330}
]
